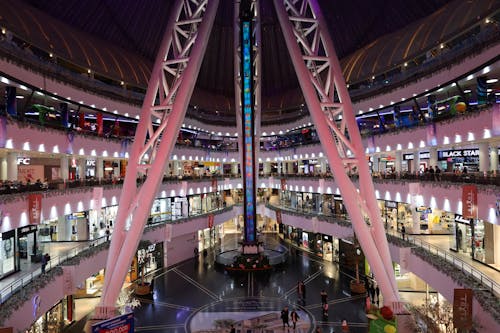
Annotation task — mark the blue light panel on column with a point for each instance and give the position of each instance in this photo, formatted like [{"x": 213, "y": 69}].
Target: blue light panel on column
[{"x": 248, "y": 131}]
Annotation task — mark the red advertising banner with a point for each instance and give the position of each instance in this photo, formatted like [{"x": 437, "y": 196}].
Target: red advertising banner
[
  {"x": 283, "y": 184},
  {"x": 462, "y": 309},
  {"x": 214, "y": 184},
  {"x": 100, "y": 124},
  {"x": 278, "y": 217},
  {"x": 469, "y": 201},
  {"x": 34, "y": 208},
  {"x": 211, "y": 220}
]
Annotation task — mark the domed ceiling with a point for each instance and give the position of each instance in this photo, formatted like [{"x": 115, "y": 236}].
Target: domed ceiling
[{"x": 136, "y": 27}]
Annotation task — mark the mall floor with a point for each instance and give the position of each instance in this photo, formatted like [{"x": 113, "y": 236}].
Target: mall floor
[{"x": 195, "y": 295}]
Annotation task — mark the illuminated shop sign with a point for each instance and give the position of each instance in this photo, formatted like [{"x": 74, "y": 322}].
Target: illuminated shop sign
[
  {"x": 90, "y": 163},
  {"x": 445, "y": 154},
  {"x": 23, "y": 161},
  {"x": 424, "y": 155}
]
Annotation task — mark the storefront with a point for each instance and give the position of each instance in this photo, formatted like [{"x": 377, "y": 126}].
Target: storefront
[
  {"x": 462, "y": 240},
  {"x": 459, "y": 160},
  {"x": 391, "y": 215},
  {"x": 148, "y": 258},
  {"x": 76, "y": 226},
  {"x": 161, "y": 210},
  {"x": 8, "y": 253},
  {"x": 54, "y": 320},
  {"x": 209, "y": 237},
  {"x": 27, "y": 243},
  {"x": 90, "y": 168}
]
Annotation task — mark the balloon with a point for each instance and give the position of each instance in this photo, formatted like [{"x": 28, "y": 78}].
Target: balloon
[
  {"x": 460, "y": 107},
  {"x": 389, "y": 329}
]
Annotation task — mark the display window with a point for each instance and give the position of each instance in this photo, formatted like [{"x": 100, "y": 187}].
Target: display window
[
  {"x": 478, "y": 241},
  {"x": 53, "y": 321},
  {"x": 462, "y": 240},
  {"x": 7, "y": 253},
  {"x": 149, "y": 257}
]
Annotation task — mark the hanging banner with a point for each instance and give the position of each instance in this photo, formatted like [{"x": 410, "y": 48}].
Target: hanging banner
[
  {"x": 462, "y": 309},
  {"x": 283, "y": 184},
  {"x": 431, "y": 135},
  {"x": 81, "y": 120},
  {"x": 100, "y": 124},
  {"x": 278, "y": 217},
  {"x": 11, "y": 101},
  {"x": 63, "y": 107},
  {"x": 210, "y": 220},
  {"x": 214, "y": 185},
  {"x": 469, "y": 201},
  {"x": 3, "y": 131},
  {"x": 34, "y": 208}
]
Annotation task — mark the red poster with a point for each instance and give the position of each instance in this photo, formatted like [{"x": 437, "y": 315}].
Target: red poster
[
  {"x": 99, "y": 124},
  {"x": 81, "y": 120},
  {"x": 214, "y": 184},
  {"x": 469, "y": 201},
  {"x": 34, "y": 208},
  {"x": 283, "y": 184},
  {"x": 211, "y": 220},
  {"x": 462, "y": 309}
]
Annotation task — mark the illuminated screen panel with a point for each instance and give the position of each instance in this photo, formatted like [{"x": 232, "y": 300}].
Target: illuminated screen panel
[{"x": 248, "y": 130}]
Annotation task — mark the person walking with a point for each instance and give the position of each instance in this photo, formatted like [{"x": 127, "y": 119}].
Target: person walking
[
  {"x": 403, "y": 231},
  {"x": 325, "y": 311},
  {"x": 377, "y": 293},
  {"x": 344, "y": 326},
  {"x": 233, "y": 330},
  {"x": 284, "y": 317},
  {"x": 44, "y": 262},
  {"x": 324, "y": 296},
  {"x": 295, "y": 317}
]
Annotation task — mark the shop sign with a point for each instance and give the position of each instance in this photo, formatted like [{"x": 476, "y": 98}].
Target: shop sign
[
  {"x": 460, "y": 219},
  {"x": 120, "y": 324},
  {"x": 90, "y": 163},
  {"x": 424, "y": 155},
  {"x": 34, "y": 208},
  {"x": 445, "y": 154},
  {"x": 391, "y": 204},
  {"x": 313, "y": 161},
  {"x": 408, "y": 157},
  {"x": 23, "y": 161},
  {"x": 469, "y": 201},
  {"x": 423, "y": 209},
  {"x": 462, "y": 309},
  {"x": 26, "y": 230}
]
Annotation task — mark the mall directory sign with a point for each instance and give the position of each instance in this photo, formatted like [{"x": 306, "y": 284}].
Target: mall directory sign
[{"x": 120, "y": 324}]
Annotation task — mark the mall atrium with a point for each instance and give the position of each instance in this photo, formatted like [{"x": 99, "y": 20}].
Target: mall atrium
[{"x": 197, "y": 165}]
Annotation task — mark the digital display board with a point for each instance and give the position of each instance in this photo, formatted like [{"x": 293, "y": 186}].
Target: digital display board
[{"x": 248, "y": 133}]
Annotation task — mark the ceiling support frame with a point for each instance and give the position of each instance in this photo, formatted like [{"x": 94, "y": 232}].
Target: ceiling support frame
[
  {"x": 324, "y": 88},
  {"x": 169, "y": 90}
]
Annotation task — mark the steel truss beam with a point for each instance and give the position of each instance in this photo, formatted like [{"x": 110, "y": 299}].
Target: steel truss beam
[
  {"x": 256, "y": 79},
  {"x": 169, "y": 90},
  {"x": 320, "y": 77}
]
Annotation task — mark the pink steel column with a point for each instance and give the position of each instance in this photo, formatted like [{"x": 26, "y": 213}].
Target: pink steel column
[
  {"x": 165, "y": 104},
  {"x": 321, "y": 81}
]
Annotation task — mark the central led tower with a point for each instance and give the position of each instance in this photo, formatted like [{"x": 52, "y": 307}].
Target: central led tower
[{"x": 248, "y": 121}]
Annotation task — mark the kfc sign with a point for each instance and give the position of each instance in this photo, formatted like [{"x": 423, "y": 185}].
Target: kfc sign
[{"x": 23, "y": 161}]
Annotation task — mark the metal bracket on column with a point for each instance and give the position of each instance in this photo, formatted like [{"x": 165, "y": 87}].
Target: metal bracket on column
[
  {"x": 320, "y": 77},
  {"x": 169, "y": 90}
]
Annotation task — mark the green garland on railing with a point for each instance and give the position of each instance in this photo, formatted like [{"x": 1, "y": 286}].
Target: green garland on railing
[
  {"x": 488, "y": 300},
  {"x": 23, "y": 295}
]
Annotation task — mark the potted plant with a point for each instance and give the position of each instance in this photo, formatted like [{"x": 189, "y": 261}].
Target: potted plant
[{"x": 356, "y": 285}]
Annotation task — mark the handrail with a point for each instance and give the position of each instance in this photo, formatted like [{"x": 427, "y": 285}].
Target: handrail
[{"x": 464, "y": 267}]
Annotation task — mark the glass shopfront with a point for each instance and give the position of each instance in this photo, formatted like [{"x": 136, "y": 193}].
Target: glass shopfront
[
  {"x": 7, "y": 253},
  {"x": 54, "y": 320},
  {"x": 459, "y": 160},
  {"x": 149, "y": 257},
  {"x": 27, "y": 243},
  {"x": 462, "y": 235},
  {"x": 161, "y": 210}
]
